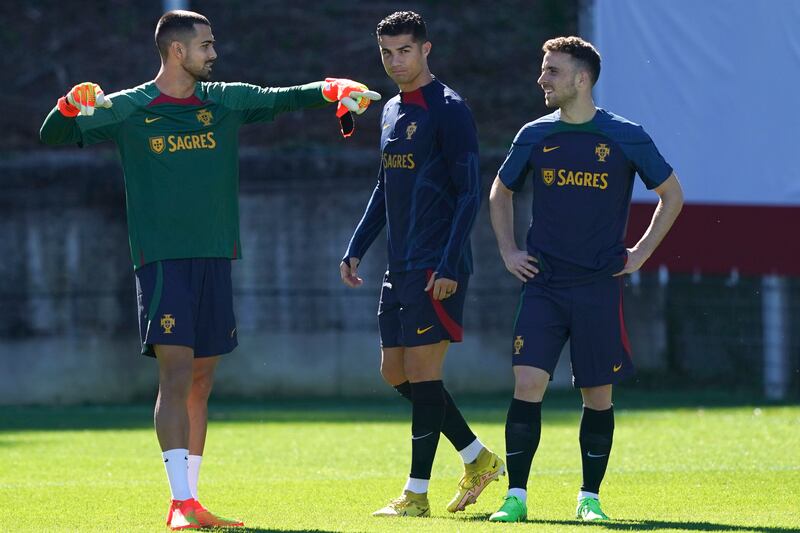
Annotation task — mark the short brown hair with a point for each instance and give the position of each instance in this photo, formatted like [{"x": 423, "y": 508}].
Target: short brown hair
[
  {"x": 582, "y": 51},
  {"x": 177, "y": 25}
]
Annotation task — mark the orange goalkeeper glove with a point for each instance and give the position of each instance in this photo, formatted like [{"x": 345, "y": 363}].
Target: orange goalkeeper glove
[
  {"x": 353, "y": 97},
  {"x": 82, "y": 99}
]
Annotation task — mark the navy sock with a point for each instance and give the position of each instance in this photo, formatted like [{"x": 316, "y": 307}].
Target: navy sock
[
  {"x": 454, "y": 427},
  {"x": 523, "y": 430},
  {"x": 596, "y": 437},
  {"x": 427, "y": 415}
]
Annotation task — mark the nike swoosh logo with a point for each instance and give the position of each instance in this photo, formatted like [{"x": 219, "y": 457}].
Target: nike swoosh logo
[
  {"x": 150, "y": 120},
  {"x": 422, "y": 437},
  {"x": 514, "y": 453},
  {"x": 590, "y": 454},
  {"x": 385, "y": 126},
  {"x": 421, "y": 331},
  {"x": 616, "y": 368},
  {"x": 550, "y": 148}
]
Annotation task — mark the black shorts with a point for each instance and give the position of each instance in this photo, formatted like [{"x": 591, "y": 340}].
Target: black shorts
[
  {"x": 590, "y": 316},
  {"x": 187, "y": 302},
  {"x": 409, "y": 316}
]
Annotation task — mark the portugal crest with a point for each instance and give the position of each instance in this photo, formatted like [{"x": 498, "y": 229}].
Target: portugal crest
[
  {"x": 602, "y": 151},
  {"x": 519, "y": 342},
  {"x": 157, "y": 144},
  {"x": 205, "y": 117},
  {"x": 410, "y": 130},
  {"x": 548, "y": 177},
  {"x": 167, "y": 322}
]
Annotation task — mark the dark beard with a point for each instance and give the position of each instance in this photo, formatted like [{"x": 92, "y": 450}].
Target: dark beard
[{"x": 198, "y": 76}]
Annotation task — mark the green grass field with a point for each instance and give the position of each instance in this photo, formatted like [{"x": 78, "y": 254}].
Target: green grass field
[{"x": 291, "y": 466}]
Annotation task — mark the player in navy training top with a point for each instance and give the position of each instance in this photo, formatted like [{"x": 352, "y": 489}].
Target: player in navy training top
[
  {"x": 427, "y": 196},
  {"x": 583, "y": 161}
]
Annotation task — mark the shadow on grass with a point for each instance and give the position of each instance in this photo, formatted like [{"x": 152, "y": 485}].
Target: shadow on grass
[
  {"x": 643, "y": 525},
  {"x": 561, "y": 407},
  {"x": 260, "y": 530},
  {"x": 655, "y": 525}
]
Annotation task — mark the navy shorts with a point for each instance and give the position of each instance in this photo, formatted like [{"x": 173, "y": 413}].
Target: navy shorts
[
  {"x": 187, "y": 302},
  {"x": 409, "y": 316},
  {"x": 590, "y": 316}
]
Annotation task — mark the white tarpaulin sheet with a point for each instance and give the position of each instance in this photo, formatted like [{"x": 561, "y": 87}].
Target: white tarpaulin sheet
[{"x": 716, "y": 83}]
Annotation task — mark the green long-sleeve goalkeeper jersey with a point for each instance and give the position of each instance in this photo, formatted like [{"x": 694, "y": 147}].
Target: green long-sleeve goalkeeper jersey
[{"x": 180, "y": 160}]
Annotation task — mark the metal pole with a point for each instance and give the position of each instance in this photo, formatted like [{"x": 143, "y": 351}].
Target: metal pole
[{"x": 774, "y": 315}]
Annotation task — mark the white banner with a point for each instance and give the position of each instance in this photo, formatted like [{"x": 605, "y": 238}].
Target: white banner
[{"x": 716, "y": 83}]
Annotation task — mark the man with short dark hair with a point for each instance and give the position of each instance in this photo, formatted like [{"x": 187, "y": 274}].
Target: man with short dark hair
[
  {"x": 178, "y": 141},
  {"x": 427, "y": 196},
  {"x": 584, "y": 160}
]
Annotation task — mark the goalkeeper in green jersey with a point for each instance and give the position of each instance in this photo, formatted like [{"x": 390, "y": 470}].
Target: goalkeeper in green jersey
[{"x": 178, "y": 141}]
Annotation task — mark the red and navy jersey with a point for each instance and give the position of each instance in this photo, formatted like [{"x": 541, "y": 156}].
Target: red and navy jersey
[
  {"x": 583, "y": 176},
  {"x": 428, "y": 190}
]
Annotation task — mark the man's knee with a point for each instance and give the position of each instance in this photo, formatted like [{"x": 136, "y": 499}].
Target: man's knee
[
  {"x": 597, "y": 398},
  {"x": 392, "y": 362},
  {"x": 392, "y": 373},
  {"x": 175, "y": 382},
  {"x": 174, "y": 370},
  {"x": 424, "y": 363},
  {"x": 202, "y": 385},
  {"x": 530, "y": 383}
]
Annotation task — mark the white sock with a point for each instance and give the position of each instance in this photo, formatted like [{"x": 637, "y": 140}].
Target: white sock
[
  {"x": 417, "y": 486},
  {"x": 175, "y": 463},
  {"x": 470, "y": 453},
  {"x": 583, "y": 494},
  {"x": 522, "y": 494},
  {"x": 193, "y": 463}
]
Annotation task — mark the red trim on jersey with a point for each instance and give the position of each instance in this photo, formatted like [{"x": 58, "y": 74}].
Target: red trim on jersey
[
  {"x": 141, "y": 257},
  {"x": 453, "y": 328},
  {"x": 716, "y": 238},
  {"x": 235, "y": 249},
  {"x": 626, "y": 343},
  {"x": 414, "y": 97},
  {"x": 166, "y": 99}
]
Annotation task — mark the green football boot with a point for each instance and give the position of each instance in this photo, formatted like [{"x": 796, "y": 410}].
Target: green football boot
[
  {"x": 408, "y": 504},
  {"x": 589, "y": 510},
  {"x": 512, "y": 510}
]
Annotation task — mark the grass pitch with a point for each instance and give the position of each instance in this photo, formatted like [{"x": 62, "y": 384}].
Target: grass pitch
[{"x": 325, "y": 466}]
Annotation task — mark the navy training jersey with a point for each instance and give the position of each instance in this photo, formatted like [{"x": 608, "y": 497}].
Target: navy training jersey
[
  {"x": 428, "y": 190},
  {"x": 582, "y": 184}
]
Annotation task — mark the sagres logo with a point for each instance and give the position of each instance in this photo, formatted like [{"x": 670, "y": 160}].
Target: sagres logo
[
  {"x": 602, "y": 151},
  {"x": 205, "y": 117},
  {"x": 410, "y": 130},
  {"x": 519, "y": 342},
  {"x": 167, "y": 322},
  {"x": 548, "y": 175},
  {"x": 157, "y": 144}
]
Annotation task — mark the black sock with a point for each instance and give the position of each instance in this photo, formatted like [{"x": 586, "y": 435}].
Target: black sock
[
  {"x": 596, "y": 436},
  {"x": 523, "y": 430},
  {"x": 427, "y": 414},
  {"x": 454, "y": 427}
]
